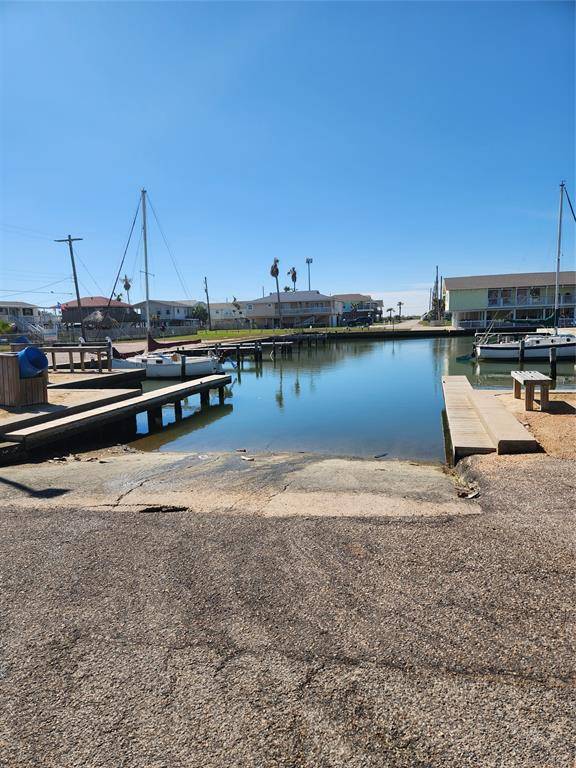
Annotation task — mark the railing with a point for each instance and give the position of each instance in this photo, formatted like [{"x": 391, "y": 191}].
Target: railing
[{"x": 311, "y": 309}]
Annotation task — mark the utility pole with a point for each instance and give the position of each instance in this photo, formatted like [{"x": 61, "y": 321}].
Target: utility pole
[
  {"x": 308, "y": 262},
  {"x": 71, "y": 240},
  {"x": 207, "y": 303}
]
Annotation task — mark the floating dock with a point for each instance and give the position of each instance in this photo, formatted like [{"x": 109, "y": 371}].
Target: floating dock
[
  {"x": 119, "y": 412},
  {"x": 479, "y": 423}
]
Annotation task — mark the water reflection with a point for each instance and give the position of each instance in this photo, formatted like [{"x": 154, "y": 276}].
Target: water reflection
[{"x": 358, "y": 398}]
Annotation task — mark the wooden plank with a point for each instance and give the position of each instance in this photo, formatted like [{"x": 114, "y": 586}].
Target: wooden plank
[
  {"x": 96, "y": 416},
  {"x": 467, "y": 433},
  {"x": 523, "y": 376},
  {"x": 40, "y": 414},
  {"x": 504, "y": 429}
]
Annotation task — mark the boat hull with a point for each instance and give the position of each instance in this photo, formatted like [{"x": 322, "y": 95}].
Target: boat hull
[
  {"x": 170, "y": 369},
  {"x": 511, "y": 351}
]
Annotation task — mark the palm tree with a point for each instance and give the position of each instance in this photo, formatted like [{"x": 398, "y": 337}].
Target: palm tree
[
  {"x": 287, "y": 289},
  {"x": 390, "y": 310},
  {"x": 274, "y": 273},
  {"x": 400, "y": 305},
  {"x": 293, "y": 276},
  {"x": 127, "y": 285}
]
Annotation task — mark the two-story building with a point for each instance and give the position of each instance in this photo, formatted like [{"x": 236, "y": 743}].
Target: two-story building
[
  {"x": 506, "y": 300},
  {"x": 297, "y": 309},
  {"x": 169, "y": 312},
  {"x": 228, "y": 314},
  {"x": 360, "y": 303}
]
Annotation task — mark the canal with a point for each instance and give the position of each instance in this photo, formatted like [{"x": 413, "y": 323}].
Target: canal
[{"x": 356, "y": 398}]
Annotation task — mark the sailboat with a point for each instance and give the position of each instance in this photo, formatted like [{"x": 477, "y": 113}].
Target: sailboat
[
  {"x": 537, "y": 346},
  {"x": 160, "y": 365}
]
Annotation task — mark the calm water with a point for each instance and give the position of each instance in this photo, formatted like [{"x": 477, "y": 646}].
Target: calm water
[{"x": 361, "y": 398}]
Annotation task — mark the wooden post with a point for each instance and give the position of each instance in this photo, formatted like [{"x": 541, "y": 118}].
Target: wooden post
[
  {"x": 82, "y": 355},
  {"x": 53, "y": 354},
  {"x": 521, "y": 351},
  {"x": 238, "y": 356},
  {"x": 182, "y": 370},
  {"x": 529, "y": 395},
  {"x": 221, "y": 395},
  {"x": 553, "y": 363},
  {"x": 544, "y": 394},
  {"x": 178, "y": 410},
  {"x": 109, "y": 355},
  {"x": 274, "y": 348},
  {"x": 99, "y": 356},
  {"x": 154, "y": 419},
  {"x": 71, "y": 361},
  {"x": 517, "y": 389},
  {"x": 205, "y": 397}
]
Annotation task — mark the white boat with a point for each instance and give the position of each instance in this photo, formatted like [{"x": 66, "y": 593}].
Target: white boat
[
  {"x": 169, "y": 366},
  {"x": 536, "y": 347}
]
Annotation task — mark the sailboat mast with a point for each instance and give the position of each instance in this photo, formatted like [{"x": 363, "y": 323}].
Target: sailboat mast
[
  {"x": 145, "y": 241},
  {"x": 558, "y": 254}
]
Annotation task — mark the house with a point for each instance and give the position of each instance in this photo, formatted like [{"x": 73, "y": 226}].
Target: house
[
  {"x": 359, "y": 303},
  {"x": 299, "y": 309},
  {"x": 23, "y": 315},
  {"x": 118, "y": 310},
  {"x": 500, "y": 301},
  {"x": 228, "y": 315},
  {"x": 170, "y": 313}
]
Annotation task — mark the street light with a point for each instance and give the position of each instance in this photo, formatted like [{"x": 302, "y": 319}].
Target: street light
[{"x": 308, "y": 262}]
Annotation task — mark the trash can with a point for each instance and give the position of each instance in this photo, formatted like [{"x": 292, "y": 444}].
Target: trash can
[{"x": 31, "y": 362}]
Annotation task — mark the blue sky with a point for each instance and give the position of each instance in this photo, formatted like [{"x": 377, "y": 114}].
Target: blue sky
[{"x": 380, "y": 139}]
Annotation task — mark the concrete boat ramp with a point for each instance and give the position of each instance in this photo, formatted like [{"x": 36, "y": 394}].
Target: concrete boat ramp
[{"x": 479, "y": 423}]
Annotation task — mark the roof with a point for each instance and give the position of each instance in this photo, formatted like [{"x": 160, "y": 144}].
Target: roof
[
  {"x": 94, "y": 302},
  {"x": 17, "y": 304},
  {"x": 287, "y": 296},
  {"x": 352, "y": 297},
  {"x": 178, "y": 303},
  {"x": 514, "y": 280}
]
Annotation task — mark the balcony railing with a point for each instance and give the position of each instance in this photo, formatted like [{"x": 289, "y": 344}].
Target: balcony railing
[{"x": 311, "y": 309}]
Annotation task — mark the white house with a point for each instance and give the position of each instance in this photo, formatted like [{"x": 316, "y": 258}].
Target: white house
[
  {"x": 24, "y": 315},
  {"x": 171, "y": 313},
  {"x": 228, "y": 315}
]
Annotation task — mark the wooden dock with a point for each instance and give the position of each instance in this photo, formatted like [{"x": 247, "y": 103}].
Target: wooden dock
[
  {"x": 119, "y": 412},
  {"x": 479, "y": 423},
  {"x": 130, "y": 377}
]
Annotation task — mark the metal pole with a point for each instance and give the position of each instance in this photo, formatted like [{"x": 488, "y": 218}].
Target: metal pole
[
  {"x": 145, "y": 241},
  {"x": 71, "y": 240},
  {"x": 208, "y": 303},
  {"x": 308, "y": 262},
  {"x": 558, "y": 253}
]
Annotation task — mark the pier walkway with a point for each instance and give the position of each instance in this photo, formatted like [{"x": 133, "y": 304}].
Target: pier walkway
[
  {"x": 479, "y": 423},
  {"x": 118, "y": 412}
]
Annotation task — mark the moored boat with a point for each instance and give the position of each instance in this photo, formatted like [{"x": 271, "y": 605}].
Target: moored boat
[
  {"x": 169, "y": 366},
  {"x": 536, "y": 346}
]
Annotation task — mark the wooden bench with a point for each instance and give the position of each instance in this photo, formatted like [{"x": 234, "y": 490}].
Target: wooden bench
[{"x": 531, "y": 380}]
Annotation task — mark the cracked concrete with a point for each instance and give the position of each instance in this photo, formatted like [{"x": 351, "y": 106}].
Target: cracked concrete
[{"x": 291, "y": 611}]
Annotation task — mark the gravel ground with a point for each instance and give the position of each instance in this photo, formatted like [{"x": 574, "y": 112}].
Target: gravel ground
[{"x": 184, "y": 639}]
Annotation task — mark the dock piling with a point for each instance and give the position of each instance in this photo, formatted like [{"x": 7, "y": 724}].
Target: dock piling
[{"x": 553, "y": 363}]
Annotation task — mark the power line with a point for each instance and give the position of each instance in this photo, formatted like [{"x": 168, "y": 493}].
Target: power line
[
  {"x": 40, "y": 288},
  {"x": 125, "y": 252},
  {"x": 174, "y": 264}
]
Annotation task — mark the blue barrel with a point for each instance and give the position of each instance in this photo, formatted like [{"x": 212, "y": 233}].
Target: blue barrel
[{"x": 31, "y": 361}]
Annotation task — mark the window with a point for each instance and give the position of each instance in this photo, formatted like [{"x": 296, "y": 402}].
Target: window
[
  {"x": 3, "y": 310},
  {"x": 493, "y": 297},
  {"x": 507, "y": 296},
  {"x": 27, "y": 311}
]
